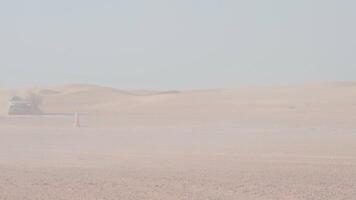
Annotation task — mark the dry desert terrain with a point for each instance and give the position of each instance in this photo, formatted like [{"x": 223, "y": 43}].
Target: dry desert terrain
[{"x": 251, "y": 143}]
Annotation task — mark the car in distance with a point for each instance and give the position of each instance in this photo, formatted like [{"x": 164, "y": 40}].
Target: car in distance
[{"x": 19, "y": 106}]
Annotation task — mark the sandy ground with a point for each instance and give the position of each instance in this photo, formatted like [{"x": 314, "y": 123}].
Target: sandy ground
[{"x": 292, "y": 142}]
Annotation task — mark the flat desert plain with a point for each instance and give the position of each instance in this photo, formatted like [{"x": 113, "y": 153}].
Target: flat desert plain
[{"x": 255, "y": 143}]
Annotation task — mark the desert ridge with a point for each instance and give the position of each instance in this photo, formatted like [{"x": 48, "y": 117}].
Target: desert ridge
[{"x": 251, "y": 101}]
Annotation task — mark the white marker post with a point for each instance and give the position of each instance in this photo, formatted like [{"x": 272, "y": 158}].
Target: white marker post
[{"x": 76, "y": 120}]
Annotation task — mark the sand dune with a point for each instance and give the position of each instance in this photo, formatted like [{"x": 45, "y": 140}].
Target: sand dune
[
  {"x": 309, "y": 103},
  {"x": 91, "y": 98}
]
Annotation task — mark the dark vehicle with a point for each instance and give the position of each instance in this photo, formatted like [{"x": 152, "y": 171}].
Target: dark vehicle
[{"x": 21, "y": 108}]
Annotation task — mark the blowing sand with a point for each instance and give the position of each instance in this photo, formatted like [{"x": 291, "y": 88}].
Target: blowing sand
[{"x": 288, "y": 143}]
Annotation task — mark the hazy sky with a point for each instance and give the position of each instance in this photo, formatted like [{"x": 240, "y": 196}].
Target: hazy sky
[{"x": 167, "y": 44}]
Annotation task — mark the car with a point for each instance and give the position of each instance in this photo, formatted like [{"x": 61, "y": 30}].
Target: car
[{"x": 20, "y": 109}]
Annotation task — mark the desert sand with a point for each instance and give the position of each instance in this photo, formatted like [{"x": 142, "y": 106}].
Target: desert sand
[{"x": 294, "y": 142}]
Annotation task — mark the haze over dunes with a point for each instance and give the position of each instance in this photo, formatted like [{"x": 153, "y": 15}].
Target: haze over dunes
[
  {"x": 184, "y": 100},
  {"x": 329, "y": 100}
]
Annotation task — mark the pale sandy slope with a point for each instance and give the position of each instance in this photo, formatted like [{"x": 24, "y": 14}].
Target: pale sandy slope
[{"x": 286, "y": 142}]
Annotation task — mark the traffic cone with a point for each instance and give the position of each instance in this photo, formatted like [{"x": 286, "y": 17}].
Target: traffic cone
[{"x": 76, "y": 120}]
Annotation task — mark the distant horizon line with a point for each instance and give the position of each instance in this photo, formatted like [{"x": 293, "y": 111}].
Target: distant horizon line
[{"x": 83, "y": 84}]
